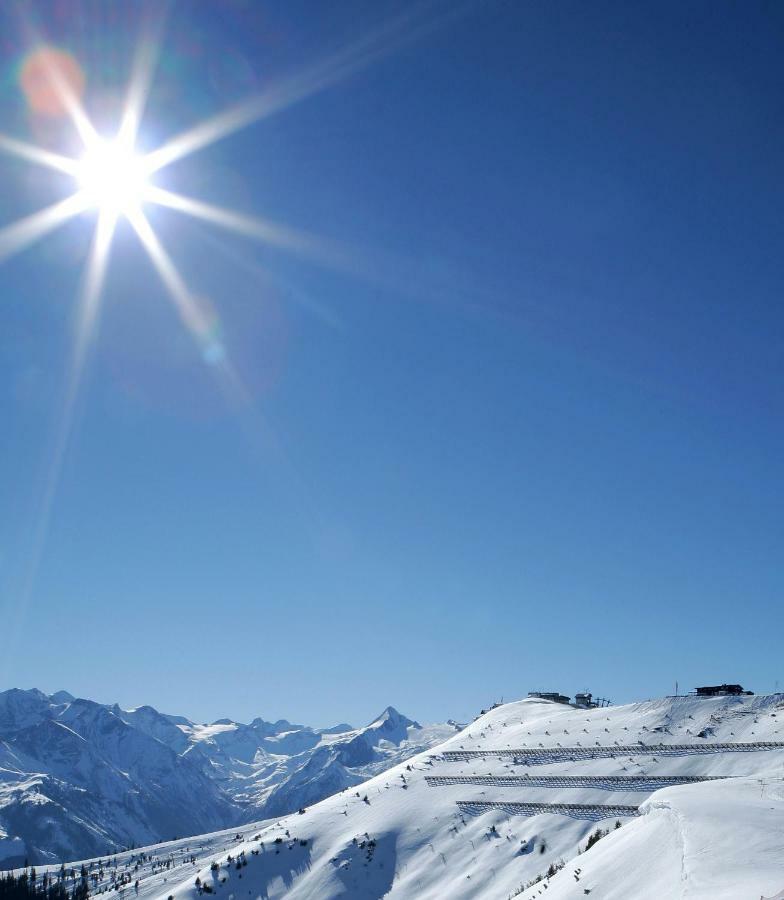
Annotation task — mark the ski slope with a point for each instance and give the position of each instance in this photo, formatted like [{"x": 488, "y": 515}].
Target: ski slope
[
  {"x": 403, "y": 835},
  {"x": 701, "y": 841}
]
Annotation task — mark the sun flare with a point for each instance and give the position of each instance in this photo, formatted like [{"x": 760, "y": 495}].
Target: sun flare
[{"x": 112, "y": 177}]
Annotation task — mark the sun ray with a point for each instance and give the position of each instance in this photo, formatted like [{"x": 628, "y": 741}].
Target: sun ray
[
  {"x": 144, "y": 63},
  {"x": 89, "y": 301},
  {"x": 190, "y": 312},
  {"x": 167, "y": 271},
  {"x": 254, "y": 423},
  {"x": 95, "y": 275},
  {"x": 21, "y": 234},
  {"x": 37, "y": 155},
  {"x": 254, "y": 227},
  {"x": 318, "y": 77},
  {"x": 73, "y": 107}
]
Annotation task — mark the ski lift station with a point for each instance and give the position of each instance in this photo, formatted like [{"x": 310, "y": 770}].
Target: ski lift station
[{"x": 582, "y": 700}]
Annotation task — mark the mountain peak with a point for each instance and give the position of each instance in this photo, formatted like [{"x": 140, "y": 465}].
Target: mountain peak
[
  {"x": 391, "y": 718},
  {"x": 30, "y": 693}
]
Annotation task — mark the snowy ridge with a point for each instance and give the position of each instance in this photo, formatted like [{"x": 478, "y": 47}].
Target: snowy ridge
[
  {"x": 79, "y": 778},
  {"x": 400, "y": 835}
]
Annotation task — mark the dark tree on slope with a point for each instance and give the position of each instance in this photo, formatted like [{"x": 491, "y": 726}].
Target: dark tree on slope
[
  {"x": 595, "y": 837},
  {"x": 21, "y": 887}
]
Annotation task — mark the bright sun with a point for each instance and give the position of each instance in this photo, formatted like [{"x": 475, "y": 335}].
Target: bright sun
[{"x": 112, "y": 177}]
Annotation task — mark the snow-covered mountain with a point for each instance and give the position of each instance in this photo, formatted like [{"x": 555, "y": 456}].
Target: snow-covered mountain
[
  {"x": 695, "y": 785},
  {"x": 79, "y": 778}
]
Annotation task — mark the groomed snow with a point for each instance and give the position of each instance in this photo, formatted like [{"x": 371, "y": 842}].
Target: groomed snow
[{"x": 717, "y": 841}]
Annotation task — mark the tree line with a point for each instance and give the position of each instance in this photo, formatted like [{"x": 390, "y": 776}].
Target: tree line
[{"x": 46, "y": 887}]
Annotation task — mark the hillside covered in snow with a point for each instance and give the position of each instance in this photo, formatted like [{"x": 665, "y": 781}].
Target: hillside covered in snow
[
  {"x": 686, "y": 794},
  {"x": 79, "y": 778}
]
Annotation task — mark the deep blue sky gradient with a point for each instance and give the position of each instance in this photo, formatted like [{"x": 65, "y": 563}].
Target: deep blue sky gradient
[{"x": 530, "y": 436}]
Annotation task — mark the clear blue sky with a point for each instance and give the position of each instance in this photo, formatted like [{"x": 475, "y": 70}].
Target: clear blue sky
[{"x": 534, "y": 440}]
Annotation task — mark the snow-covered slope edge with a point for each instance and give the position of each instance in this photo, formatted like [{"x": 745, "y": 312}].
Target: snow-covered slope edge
[{"x": 715, "y": 841}]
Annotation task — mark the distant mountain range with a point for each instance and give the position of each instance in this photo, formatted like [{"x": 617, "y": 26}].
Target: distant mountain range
[{"x": 80, "y": 778}]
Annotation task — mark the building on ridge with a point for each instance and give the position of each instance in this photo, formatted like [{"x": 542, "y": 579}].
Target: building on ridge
[{"x": 722, "y": 690}]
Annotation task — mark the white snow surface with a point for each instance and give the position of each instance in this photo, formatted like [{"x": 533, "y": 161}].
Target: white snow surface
[
  {"x": 716, "y": 841},
  {"x": 398, "y": 836}
]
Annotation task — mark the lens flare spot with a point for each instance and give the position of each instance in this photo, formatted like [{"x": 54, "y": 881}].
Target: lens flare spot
[
  {"x": 49, "y": 77},
  {"x": 208, "y": 331}
]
